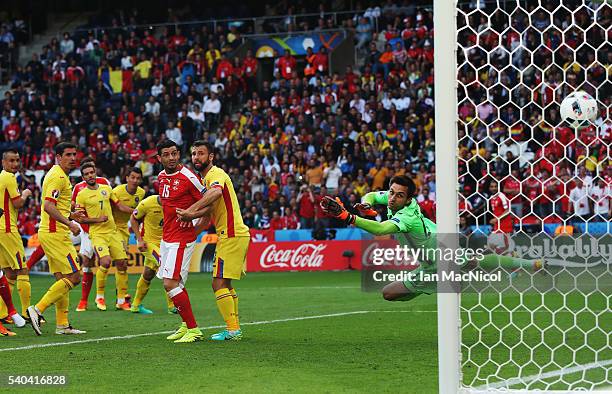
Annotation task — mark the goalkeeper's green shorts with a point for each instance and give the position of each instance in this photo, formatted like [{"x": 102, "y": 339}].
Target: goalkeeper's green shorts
[{"x": 417, "y": 286}]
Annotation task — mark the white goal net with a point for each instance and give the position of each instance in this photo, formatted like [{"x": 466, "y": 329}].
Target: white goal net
[{"x": 550, "y": 328}]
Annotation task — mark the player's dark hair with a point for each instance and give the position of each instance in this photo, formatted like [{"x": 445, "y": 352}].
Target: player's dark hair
[
  {"x": 88, "y": 159},
  {"x": 209, "y": 147},
  {"x": 9, "y": 150},
  {"x": 403, "y": 180},
  {"x": 136, "y": 170},
  {"x": 86, "y": 165},
  {"x": 62, "y": 146},
  {"x": 168, "y": 143}
]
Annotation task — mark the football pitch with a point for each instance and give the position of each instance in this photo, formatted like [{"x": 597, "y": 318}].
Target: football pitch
[
  {"x": 316, "y": 331},
  {"x": 302, "y": 332}
]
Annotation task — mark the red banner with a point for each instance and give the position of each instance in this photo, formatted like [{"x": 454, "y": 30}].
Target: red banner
[
  {"x": 303, "y": 256},
  {"x": 262, "y": 235}
]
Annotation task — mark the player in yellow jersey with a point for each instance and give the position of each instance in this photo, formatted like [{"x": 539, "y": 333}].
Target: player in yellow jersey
[
  {"x": 220, "y": 203},
  {"x": 54, "y": 235},
  {"x": 96, "y": 201},
  {"x": 148, "y": 212},
  {"x": 12, "y": 254},
  {"x": 129, "y": 194}
]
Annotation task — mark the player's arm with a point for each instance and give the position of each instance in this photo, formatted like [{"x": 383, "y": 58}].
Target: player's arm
[
  {"x": 17, "y": 199},
  {"x": 376, "y": 198},
  {"x": 376, "y": 228},
  {"x": 122, "y": 207},
  {"x": 50, "y": 207},
  {"x": 199, "y": 208},
  {"x": 135, "y": 225}
]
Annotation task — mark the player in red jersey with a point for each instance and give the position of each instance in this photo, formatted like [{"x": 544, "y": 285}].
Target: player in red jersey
[
  {"x": 499, "y": 240},
  {"x": 179, "y": 187},
  {"x": 86, "y": 251}
]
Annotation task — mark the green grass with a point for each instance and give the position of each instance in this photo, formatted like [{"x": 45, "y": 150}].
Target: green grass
[
  {"x": 351, "y": 353},
  {"x": 391, "y": 348}
]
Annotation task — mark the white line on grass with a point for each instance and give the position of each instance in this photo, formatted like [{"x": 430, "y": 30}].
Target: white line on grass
[
  {"x": 546, "y": 375},
  {"x": 255, "y": 323}
]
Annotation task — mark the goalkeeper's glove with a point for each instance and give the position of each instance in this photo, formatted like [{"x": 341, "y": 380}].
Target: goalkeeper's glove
[
  {"x": 365, "y": 209},
  {"x": 335, "y": 208}
]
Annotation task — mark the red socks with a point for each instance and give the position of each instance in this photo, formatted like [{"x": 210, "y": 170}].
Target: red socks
[
  {"x": 5, "y": 293},
  {"x": 182, "y": 303},
  {"x": 35, "y": 257},
  {"x": 86, "y": 282}
]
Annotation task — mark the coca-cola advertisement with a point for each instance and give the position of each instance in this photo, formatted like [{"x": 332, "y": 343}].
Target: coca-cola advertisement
[{"x": 302, "y": 256}]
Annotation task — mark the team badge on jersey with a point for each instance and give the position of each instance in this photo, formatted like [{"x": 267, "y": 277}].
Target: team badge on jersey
[
  {"x": 55, "y": 194},
  {"x": 136, "y": 199},
  {"x": 103, "y": 192}
]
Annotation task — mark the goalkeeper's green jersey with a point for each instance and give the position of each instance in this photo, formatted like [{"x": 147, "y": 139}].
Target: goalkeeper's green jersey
[{"x": 415, "y": 230}]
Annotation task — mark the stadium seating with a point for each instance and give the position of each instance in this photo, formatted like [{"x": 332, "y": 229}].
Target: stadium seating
[{"x": 117, "y": 91}]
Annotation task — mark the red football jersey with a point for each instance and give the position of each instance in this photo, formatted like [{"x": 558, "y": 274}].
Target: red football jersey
[
  {"x": 499, "y": 206},
  {"x": 82, "y": 185},
  {"x": 178, "y": 190}
]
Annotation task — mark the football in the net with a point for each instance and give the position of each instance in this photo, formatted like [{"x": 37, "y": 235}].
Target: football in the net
[{"x": 578, "y": 108}]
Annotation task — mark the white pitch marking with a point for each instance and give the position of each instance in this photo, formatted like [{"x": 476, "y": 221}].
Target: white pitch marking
[{"x": 255, "y": 323}]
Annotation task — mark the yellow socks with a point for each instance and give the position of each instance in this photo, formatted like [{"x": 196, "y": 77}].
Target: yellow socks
[
  {"x": 142, "y": 288},
  {"x": 169, "y": 301},
  {"x": 25, "y": 292},
  {"x": 121, "y": 279},
  {"x": 55, "y": 292},
  {"x": 3, "y": 310},
  {"x": 225, "y": 303},
  {"x": 235, "y": 297},
  {"x": 101, "y": 275},
  {"x": 61, "y": 310}
]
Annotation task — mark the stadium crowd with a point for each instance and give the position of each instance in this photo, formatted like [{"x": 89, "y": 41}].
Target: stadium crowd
[
  {"x": 510, "y": 129},
  {"x": 304, "y": 133}
]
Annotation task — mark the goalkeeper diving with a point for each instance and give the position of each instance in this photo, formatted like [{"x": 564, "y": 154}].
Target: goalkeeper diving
[{"x": 411, "y": 228}]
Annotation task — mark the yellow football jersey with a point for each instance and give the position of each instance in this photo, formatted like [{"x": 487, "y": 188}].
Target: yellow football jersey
[
  {"x": 131, "y": 200},
  {"x": 9, "y": 191},
  {"x": 97, "y": 203},
  {"x": 56, "y": 188},
  {"x": 150, "y": 210},
  {"x": 225, "y": 211}
]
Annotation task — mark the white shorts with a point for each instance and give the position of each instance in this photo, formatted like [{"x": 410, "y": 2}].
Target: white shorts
[
  {"x": 175, "y": 260},
  {"x": 86, "y": 248},
  {"x": 501, "y": 243}
]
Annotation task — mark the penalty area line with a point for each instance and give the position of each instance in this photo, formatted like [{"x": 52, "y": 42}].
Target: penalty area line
[{"x": 147, "y": 334}]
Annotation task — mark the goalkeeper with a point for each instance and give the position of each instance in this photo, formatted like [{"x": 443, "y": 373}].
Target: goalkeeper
[{"x": 411, "y": 228}]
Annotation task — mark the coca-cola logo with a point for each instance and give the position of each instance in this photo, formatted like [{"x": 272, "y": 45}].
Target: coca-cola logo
[{"x": 304, "y": 256}]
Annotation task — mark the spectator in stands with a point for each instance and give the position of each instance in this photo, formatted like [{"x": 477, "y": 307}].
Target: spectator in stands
[
  {"x": 332, "y": 175},
  {"x": 287, "y": 64},
  {"x": 306, "y": 201},
  {"x": 364, "y": 33},
  {"x": 579, "y": 208}
]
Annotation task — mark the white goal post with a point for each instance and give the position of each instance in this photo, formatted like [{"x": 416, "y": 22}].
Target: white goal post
[{"x": 445, "y": 85}]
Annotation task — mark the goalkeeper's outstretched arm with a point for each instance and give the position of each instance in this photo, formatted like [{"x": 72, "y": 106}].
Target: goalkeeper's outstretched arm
[
  {"x": 375, "y": 198},
  {"x": 376, "y": 228}
]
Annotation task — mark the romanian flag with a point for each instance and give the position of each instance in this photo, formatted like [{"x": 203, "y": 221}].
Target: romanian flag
[
  {"x": 516, "y": 131},
  {"x": 116, "y": 81}
]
